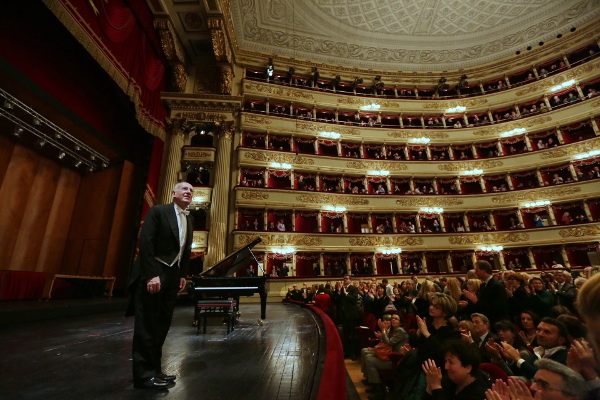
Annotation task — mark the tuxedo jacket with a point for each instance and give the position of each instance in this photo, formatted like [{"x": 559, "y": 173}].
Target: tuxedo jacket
[
  {"x": 160, "y": 239},
  {"x": 492, "y": 301}
]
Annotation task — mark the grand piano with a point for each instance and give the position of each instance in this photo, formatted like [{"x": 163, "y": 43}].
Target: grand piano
[{"x": 218, "y": 282}]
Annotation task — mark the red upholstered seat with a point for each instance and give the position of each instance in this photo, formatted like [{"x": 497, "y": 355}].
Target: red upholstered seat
[{"x": 494, "y": 371}]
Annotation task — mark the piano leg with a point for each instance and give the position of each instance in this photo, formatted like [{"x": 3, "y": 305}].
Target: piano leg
[{"x": 263, "y": 305}]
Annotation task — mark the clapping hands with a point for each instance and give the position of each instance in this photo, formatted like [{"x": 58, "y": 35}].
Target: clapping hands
[
  {"x": 514, "y": 390},
  {"x": 433, "y": 375}
]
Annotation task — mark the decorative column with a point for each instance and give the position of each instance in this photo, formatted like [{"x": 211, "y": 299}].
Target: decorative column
[
  {"x": 370, "y": 223},
  {"x": 482, "y": 183},
  {"x": 394, "y": 223},
  {"x": 538, "y": 173},
  {"x": 345, "y": 222},
  {"x": 442, "y": 223},
  {"x": 424, "y": 262},
  {"x": 473, "y": 258},
  {"x": 509, "y": 182},
  {"x": 492, "y": 222},
  {"x": 573, "y": 172},
  {"x": 595, "y": 126},
  {"x": 501, "y": 259},
  {"x": 418, "y": 221},
  {"x": 580, "y": 93},
  {"x": 374, "y": 261},
  {"x": 588, "y": 212},
  {"x": 474, "y": 151},
  {"x": 428, "y": 152},
  {"x": 321, "y": 264},
  {"x": 563, "y": 253},
  {"x": 547, "y": 102},
  {"x": 520, "y": 218},
  {"x": 500, "y": 148},
  {"x": 466, "y": 223},
  {"x": 531, "y": 258},
  {"x": 566, "y": 60},
  {"x": 449, "y": 262},
  {"x": 320, "y": 223},
  {"x": 551, "y": 216},
  {"x": 400, "y": 120},
  {"x": 217, "y": 236},
  {"x": 293, "y": 220},
  {"x": 293, "y": 269},
  {"x": 450, "y": 153},
  {"x": 175, "y": 141},
  {"x": 559, "y": 136},
  {"x": 528, "y": 143}
]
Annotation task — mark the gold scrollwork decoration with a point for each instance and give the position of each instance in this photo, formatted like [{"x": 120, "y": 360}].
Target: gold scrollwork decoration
[
  {"x": 312, "y": 127},
  {"x": 202, "y": 116},
  {"x": 278, "y": 91},
  {"x": 525, "y": 123},
  {"x": 377, "y": 165},
  {"x": 455, "y": 103},
  {"x": 254, "y": 195},
  {"x": 385, "y": 241},
  {"x": 593, "y": 230},
  {"x": 558, "y": 79},
  {"x": 536, "y": 194},
  {"x": 489, "y": 238},
  {"x": 571, "y": 150},
  {"x": 280, "y": 158},
  {"x": 255, "y": 119},
  {"x": 280, "y": 240},
  {"x": 411, "y": 134},
  {"x": 469, "y": 165},
  {"x": 331, "y": 199},
  {"x": 421, "y": 201}
]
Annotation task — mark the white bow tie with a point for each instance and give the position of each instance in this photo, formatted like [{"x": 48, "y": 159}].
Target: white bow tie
[{"x": 185, "y": 212}]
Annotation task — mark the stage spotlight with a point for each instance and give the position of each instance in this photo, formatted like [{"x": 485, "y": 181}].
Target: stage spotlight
[
  {"x": 61, "y": 155},
  {"x": 77, "y": 148},
  {"x": 78, "y": 163},
  {"x": 92, "y": 157},
  {"x": 57, "y": 135},
  {"x": 104, "y": 165},
  {"x": 37, "y": 121},
  {"x": 18, "y": 131},
  {"x": 91, "y": 169},
  {"x": 41, "y": 142},
  {"x": 8, "y": 105},
  {"x": 573, "y": 29}
]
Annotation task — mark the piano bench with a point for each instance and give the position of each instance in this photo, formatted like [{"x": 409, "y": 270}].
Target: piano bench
[{"x": 215, "y": 308}]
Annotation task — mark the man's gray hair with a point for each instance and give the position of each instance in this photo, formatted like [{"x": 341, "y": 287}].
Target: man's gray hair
[
  {"x": 573, "y": 383},
  {"x": 471, "y": 274},
  {"x": 483, "y": 318}
]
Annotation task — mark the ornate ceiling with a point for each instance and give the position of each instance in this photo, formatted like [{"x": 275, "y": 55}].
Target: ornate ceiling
[{"x": 405, "y": 35}]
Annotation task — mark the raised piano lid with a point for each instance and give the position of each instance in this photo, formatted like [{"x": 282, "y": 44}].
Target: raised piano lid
[{"x": 233, "y": 262}]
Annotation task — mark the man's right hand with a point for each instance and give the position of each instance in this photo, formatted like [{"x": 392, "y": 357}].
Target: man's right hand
[{"x": 153, "y": 285}]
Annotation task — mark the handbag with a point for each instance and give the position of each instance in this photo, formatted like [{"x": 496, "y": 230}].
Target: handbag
[{"x": 382, "y": 351}]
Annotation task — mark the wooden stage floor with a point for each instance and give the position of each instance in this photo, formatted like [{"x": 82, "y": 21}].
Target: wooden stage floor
[{"x": 89, "y": 357}]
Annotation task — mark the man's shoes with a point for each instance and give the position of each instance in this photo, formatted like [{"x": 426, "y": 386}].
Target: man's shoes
[
  {"x": 166, "y": 378},
  {"x": 153, "y": 383}
]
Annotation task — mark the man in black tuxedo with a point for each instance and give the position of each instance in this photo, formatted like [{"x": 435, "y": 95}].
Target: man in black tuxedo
[
  {"x": 158, "y": 275},
  {"x": 491, "y": 300},
  {"x": 350, "y": 317}
]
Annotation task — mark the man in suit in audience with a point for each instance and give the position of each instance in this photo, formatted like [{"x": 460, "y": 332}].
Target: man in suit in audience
[
  {"x": 491, "y": 300},
  {"x": 350, "y": 317},
  {"x": 158, "y": 274},
  {"x": 564, "y": 291}
]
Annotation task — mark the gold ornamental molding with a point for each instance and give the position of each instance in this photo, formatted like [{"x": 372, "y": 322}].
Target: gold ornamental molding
[
  {"x": 469, "y": 165},
  {"x": 412, "y": 133},
  {"x": 278, "y": 157},
  {"x": 456, "y": 103},
  {"x": 194, "y": 155},
  {"x": 280, "y": 240},
  {"x": 593, "y": 230},
  {"x": 279, "y": 91},
  {"x": 332, "y": 199},
  {"x": 354, "y": 101},
  {"x": 557, "y": 80},
  {"x": 251, "y": 118},
  {"x": 202, "y": 116},
  {"x": 596, "y": 103},
  {"x": 254, "y": 195},
  {"x": 572, "y": 150},
  {"x": 385, "y": 241},
  {"x": 525, "y": 123},
  {"x": 199, "y": 240},
  {"x": 488, "y": 238},
  {"x": 429, "y": 202},
  {"x": 311, "y": 127},
  {"x": 377, "y": 165},
  {"x": 536, "y": 194}
]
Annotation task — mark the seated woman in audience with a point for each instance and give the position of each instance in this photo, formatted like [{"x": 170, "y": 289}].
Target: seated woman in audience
[
  {"x": 392, "y": 334},
  {"x": 540, "y": 299},
  {"x": 529, "y": 322},
  {"x": 507, "y": 332},
  {"x": 462, "y": 380}
]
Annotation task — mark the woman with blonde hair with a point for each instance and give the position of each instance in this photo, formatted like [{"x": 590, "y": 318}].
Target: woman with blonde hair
[
  {"x": 421, "y": 302},
  {"x": 453, "y": 286}
]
